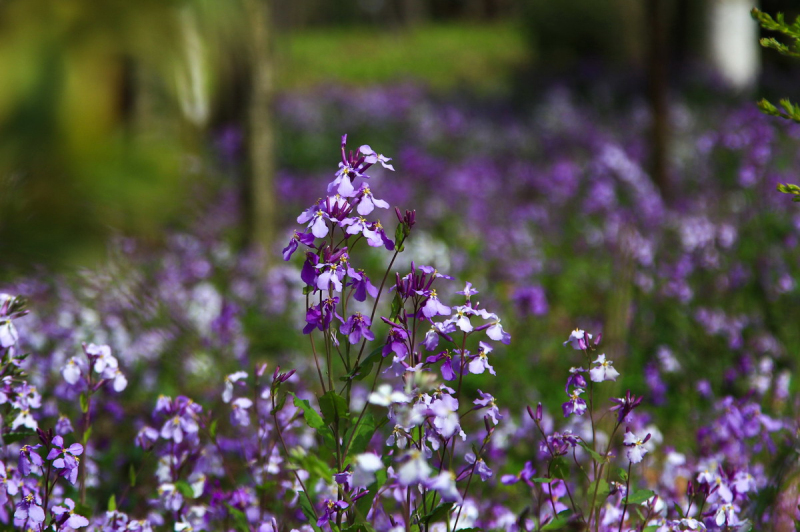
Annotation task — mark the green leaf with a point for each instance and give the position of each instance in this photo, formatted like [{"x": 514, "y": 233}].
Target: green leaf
[
  {"x": 560, "y": 468},
  {"x": 678, "y": 510},
  {"x": 359, "y": 527},
  {"x": 363, "y": 370},
  {"x": 112, "y": 503},
  {"x": 239, "y": 519},
  {"x": 639, "y": 496},
  {"x": 559, "y": 521},
  {"x": 279, "y": 405},
  {"x": 212, "y": 429},
  {"x": 623, "y": 474},
  {"x": 13, "y": 437},
  {"x": 438, "y": 514},
  {"x": 185, "y": 489},
  {"x": 597, "y": 456},
  {"x": 313, "y": 419},
  {"x": 308, "y": 510},
  {"x": 84, "y": 402},
  {"x": 334, "y": 408},
  {"x": 363, "y": 504},
  {"x": 397, "y": 305},
  {"x": 364, "y": 432},
  {"x": 651, "y": 528},
  {"x": 602, "y": 489},
  {"x": 86, "y": 435},
  {"x": 83, "y": 509},
  {"x": 132, "y": 475}
]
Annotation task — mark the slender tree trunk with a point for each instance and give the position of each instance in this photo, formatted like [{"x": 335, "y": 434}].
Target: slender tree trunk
[
  {"x": 259, "y": 196},
  {"x": 657, "y": 64}
]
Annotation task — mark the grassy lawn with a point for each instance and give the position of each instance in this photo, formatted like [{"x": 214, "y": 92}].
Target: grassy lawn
[{"x": 442, "y": 56}]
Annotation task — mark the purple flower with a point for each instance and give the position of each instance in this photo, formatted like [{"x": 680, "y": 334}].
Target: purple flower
[
  {"x": 362, "y": 286},
  {"x": 146, "y": 438},
  {"x": 479, "y": 466},
  {"x": 29, "y": 509},
  {"x": 468, "y": 291},
  {"x": 434, "y": 307},
  {"x": 368, "y": 202},
  {"x": 179, "y": 426},
  {"x": 320, "y": 316},
  {"x": 331, "y": 508},
  {"x": 437, "y": 329},
  {"x": 371, "y": 157},
  {"x": 297, "y": 238},
  {"x": 527, "y": 474},
  {"x": 575, "y": 405},
  {"x": 63, "y": 426},
  {"x": 446, "y": 420},
  {"x": 575, "y": 378},
  {"x": 29, "y": 461},
  {"x": 625, "y": 405},
  {"x": 448, "y": 373},
  {"x": 65, "y": 515},
  {"x": 396, "y": 343},
  {"x": 487, "y": 401},
  {"x": 480, "y": 362},
  {"x": 65, "y": 458},
  {"x": 356, "y": 327}
]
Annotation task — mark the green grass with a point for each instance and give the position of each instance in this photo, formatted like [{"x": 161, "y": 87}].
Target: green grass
[{"x": 441, "y": 56}]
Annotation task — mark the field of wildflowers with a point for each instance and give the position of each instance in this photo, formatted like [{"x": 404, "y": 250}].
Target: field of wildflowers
[{"x": 483, "y": 319}]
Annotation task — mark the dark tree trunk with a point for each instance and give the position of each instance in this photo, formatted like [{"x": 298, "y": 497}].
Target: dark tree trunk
[
  {"x": 657, "y": 65},
  {"x": 260, "y": 204}
]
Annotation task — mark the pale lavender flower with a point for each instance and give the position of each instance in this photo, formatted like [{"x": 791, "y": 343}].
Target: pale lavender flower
[{"x": 239, "y": 413}]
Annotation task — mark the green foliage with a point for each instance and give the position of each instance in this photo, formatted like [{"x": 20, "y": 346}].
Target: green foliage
[{"x": 787, "y": 110}]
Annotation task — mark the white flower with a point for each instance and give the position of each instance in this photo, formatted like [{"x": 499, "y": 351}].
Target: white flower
[
  {"x": 120, "y": 382},
  {"x": 230, "y": 380},
  {"x": 71, "y": 371},
  {"x": 636, "y": 448},
  {"x": 604, "y": 371},
  {"x": 445, "y": 484},
  {"x": 366, "y": 466},
  {"x": 578, "y": 339},
  {"x": 24, "y": 419},
  {"x": 386, "y": 396},
  {"x": 414, "y": 470}
]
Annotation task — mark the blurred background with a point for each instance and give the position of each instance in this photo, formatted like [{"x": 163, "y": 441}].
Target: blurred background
[
  {"x": 625, "y": 179},
  {"x": 113, "y": 117}
]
